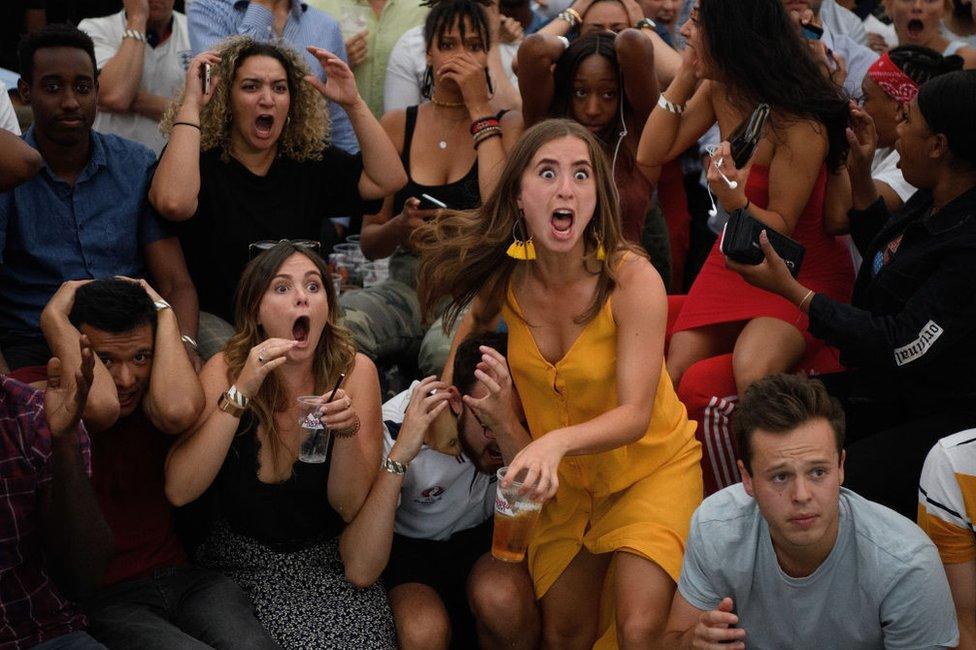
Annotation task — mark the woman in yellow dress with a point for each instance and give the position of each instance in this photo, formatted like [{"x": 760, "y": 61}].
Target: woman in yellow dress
[{"x": 611, "y": 446}]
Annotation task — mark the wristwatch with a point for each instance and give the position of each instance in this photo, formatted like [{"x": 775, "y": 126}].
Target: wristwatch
[
  {"x": 161, "y": 304},
  {"x": 233, "y": 401},
  {"x": 394, "y": 467},
  {"x": 646, "y": 23}
]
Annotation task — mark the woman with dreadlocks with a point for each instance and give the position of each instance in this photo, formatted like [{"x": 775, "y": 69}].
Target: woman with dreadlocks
[{"x": 453, "y": 149}]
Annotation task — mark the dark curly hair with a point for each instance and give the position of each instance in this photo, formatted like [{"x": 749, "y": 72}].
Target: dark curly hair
[{"x": 762, "y": 59}]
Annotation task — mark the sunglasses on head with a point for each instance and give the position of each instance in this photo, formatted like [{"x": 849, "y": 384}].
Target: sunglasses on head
[{"x": 256, "y": 248}]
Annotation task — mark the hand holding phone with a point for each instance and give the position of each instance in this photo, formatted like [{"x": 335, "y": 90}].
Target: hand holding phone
[{"x": 206, "y": 76}]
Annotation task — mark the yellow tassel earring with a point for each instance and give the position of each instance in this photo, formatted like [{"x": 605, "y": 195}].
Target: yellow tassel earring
[
  {"x": 520, "y": 249},
  {"x": 601, "y": 252}
]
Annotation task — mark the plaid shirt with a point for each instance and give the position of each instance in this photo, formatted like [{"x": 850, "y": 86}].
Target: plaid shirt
[{"x": 31, "y": 608}]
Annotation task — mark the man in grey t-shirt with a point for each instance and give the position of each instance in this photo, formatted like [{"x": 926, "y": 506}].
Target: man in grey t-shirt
[{"x": 789, "y": 559}]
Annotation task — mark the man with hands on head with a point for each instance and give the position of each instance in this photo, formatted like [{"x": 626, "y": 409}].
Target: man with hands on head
[
  {"x": 428, "y": 516},
  {"x": 144, "y": 392},
  {"x": 789, "y": 559}
]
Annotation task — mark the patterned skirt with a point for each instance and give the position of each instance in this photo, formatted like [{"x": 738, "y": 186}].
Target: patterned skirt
[{"x": 302, "y": 597}]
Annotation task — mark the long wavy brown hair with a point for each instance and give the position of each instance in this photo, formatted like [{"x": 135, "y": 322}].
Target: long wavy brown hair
[
  {"x": 307, "y": 130},
  {"x": 463, "y": 253},
  {"x": 334, "y": 353}
]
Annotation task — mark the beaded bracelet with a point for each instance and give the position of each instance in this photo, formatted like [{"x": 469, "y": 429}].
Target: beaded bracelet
[
  {"x": 483, "y": 123},
  {"x": 493, "y": 132}
]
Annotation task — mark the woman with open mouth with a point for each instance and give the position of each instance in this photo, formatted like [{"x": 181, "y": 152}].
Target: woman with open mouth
[
  {"x": 278, "y": 517},
  {"x": 921, "y": 23},
  {"x": 586, "y": 315},
  {"x": 249, "y": 160}
]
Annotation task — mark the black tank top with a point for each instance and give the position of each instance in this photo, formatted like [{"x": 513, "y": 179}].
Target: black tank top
[
  {"x": 462, "y": 194},
  {"x": 287, "y": 516}
]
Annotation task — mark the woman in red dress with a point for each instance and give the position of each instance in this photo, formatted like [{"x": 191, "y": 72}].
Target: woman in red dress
[{"x": 740, "y": 54}]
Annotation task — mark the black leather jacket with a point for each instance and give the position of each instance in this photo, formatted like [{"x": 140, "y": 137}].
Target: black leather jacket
[{"x": 910, "y": 329}]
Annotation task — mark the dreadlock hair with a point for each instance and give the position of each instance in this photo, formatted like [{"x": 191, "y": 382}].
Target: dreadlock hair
[{"x": 445, "y": 14}]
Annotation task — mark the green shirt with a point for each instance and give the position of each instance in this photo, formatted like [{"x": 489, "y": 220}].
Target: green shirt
[{"x": 396, "y": 17}]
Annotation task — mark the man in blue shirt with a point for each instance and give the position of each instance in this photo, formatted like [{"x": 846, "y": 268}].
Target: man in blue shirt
[
  {"x": 85, "y": 214},
  {"x": 291, "y": 21}
]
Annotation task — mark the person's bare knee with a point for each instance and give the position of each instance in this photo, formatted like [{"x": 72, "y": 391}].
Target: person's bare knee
[
  {"x": 766, "y": 346},
  {"x": 570, "y": 609},
  {"x": 502, "y": 601},
  {"x": 421, "y": 619},
  {"x": 691, "y": 346},
  {"x": 643, "y": 594}
]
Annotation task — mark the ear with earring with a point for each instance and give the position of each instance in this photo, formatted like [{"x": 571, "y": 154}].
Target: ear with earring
[{"x": 520, "y": 249}]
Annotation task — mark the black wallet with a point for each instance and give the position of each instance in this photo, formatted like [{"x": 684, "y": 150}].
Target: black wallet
[{"x": 740, "y": 242}]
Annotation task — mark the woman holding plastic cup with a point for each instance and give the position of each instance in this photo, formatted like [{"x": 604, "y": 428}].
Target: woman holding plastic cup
[
  {"x": 586, "y": 317},
  {"x": 278, "y": 519}
]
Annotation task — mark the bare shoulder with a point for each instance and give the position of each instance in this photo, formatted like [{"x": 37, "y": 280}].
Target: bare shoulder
[
  {"x": 395, "y": 124},
  {"x": 639, "y": 287},
  {"x": 363, "y": 370}
]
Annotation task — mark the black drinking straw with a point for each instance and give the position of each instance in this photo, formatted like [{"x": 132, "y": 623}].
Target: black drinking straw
[{"x": 335, "y": 389}]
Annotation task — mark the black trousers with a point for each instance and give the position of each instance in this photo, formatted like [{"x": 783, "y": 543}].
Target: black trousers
[{"x": 887, "y": 444}]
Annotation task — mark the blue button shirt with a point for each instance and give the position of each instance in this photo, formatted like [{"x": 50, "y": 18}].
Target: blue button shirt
[
  {"x": 51, "y": 232},
  {"x": 211, "y": 21}
]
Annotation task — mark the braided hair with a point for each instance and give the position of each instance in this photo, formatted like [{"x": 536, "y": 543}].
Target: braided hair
[{"x": 921, "y": 63}]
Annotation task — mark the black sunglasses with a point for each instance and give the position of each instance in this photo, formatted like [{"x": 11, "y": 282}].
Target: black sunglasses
[{"x": 256, "y": 248}]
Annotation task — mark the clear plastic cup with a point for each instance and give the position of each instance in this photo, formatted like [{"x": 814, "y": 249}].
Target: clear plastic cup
[
  {"x": 515, "y": 517},
  {"x": 315, "y": 437}
]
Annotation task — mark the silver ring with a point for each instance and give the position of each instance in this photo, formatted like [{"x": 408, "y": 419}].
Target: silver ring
[{"x": 260, "y": 358}]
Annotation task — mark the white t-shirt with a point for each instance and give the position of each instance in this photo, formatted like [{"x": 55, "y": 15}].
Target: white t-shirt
[
  {"x": 8, "y": 117},
  {"x": 881, "y": 586},
  {"x": 875, "y": 26},
  {"x": 441, "y": 494},
  {"x": 884, "y": 168},
  {"x": 407, "y": 63},
  {"x": 842, "y": 21},
  {"x": 163, "y": 73}
]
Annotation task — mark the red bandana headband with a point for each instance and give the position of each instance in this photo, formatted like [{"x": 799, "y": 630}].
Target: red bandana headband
[{"x": 898, "y": 85}]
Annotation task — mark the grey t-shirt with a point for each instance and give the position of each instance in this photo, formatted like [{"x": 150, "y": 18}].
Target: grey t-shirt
[{"x": 882, "y": 586}]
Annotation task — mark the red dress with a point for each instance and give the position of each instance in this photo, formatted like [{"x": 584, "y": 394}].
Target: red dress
[{"x": 720, "y": 295}]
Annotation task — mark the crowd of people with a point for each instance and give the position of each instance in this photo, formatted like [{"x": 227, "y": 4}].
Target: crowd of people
[{"x": 695, "y": 278}]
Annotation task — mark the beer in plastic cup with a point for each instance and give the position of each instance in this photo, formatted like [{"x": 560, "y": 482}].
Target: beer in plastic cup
[
  {"x": 515, "y": 516},
  {"x": 315, "y": 438}
]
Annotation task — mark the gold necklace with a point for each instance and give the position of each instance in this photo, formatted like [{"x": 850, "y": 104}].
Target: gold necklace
[{"x": 437, "y": 102}]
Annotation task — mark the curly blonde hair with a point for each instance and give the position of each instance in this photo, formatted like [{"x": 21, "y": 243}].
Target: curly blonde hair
[{"x": 307, "y": 129}]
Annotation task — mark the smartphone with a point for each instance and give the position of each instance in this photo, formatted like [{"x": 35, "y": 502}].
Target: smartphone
[
  {"x": 206, "y": 74},
  {"x": 427, "y": 202},
  {"x": 812, "y": 32}
]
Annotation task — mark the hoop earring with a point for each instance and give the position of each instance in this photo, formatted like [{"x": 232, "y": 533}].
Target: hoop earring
[
  {"x": 427, "y": 84},
  {"x": 520, "y": 249}
]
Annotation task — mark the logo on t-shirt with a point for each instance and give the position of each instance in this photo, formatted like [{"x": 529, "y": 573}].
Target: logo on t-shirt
[{"x": 430, "y": 495}]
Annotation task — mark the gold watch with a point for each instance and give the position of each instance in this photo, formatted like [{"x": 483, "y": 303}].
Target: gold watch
[{"x": 233, "y": 401}]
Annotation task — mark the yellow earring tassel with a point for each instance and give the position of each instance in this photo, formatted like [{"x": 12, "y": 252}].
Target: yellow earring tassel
[
  {"x": 601, "y": 252},
  {"x": 521, "y": 250}
]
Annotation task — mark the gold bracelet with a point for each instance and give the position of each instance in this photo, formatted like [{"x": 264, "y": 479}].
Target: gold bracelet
[{"x": 805, "y": 298}]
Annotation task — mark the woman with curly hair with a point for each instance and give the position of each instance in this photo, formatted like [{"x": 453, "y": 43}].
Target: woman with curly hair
[
  {"x": 607, "y": 436},
  {"x": 726, "y": 72},
  {"x": 250, "y": 160},
  {"x": 279, "y": 518}
]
